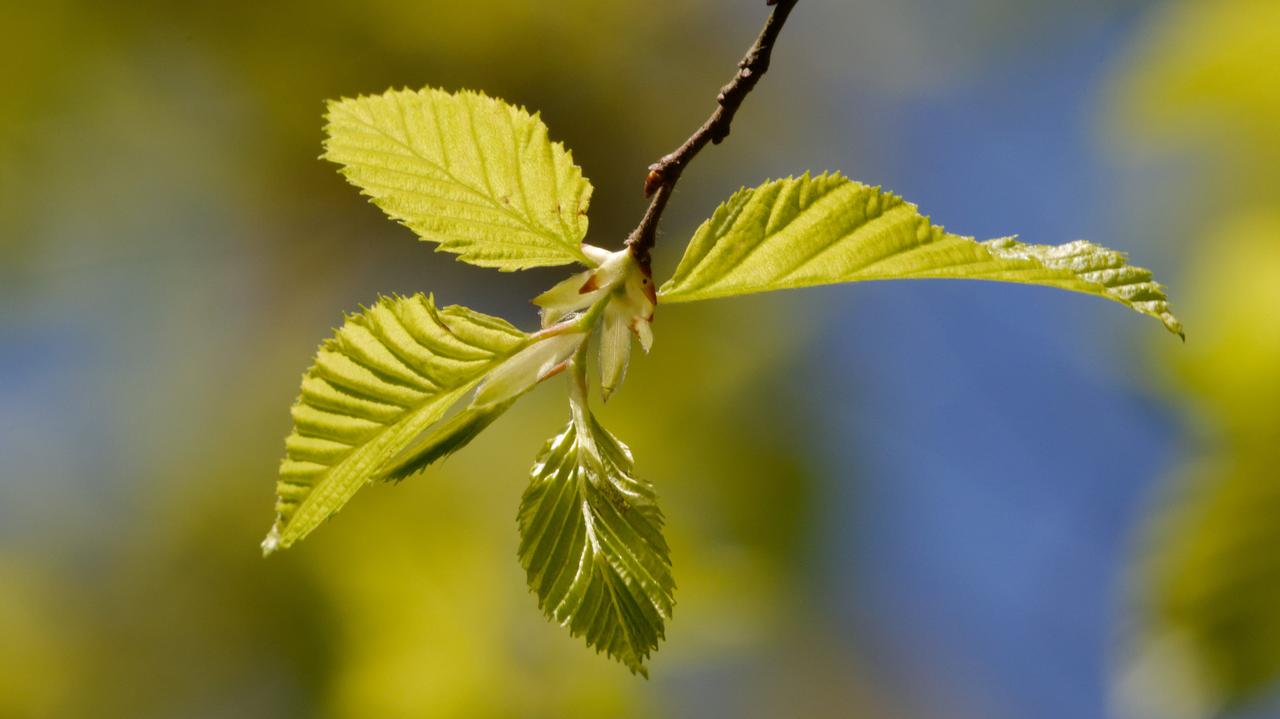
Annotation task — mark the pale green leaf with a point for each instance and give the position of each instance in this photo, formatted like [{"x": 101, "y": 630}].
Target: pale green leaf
[
  {"x": 615, "y": 350},
  {"x": 442, "y": 440},
  {"x": 538, "y": 361},
  {"x": 499, "y": 389},
  {"x": 591, "y": 544},
  {"x": 472, "y": 173},
  {"x": 387, "y": 375},
  {"x": 806, "y": 231},
  {"x": 572, "y": 294}
]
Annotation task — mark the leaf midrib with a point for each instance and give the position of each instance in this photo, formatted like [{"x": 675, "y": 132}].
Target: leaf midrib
[{"x": 502, "y": 209}]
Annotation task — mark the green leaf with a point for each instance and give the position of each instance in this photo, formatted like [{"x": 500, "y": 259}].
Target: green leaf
[
  {"x": 591, "y": 544},
  {"x": 806, "y": 231},
  {"x": 615, "y": 350},
  {"x": 442, "y": 440},
  {"x": 545, "y": 358},
  {"x": 387, "y": 375},
  {"x": 474, "y": 174}
]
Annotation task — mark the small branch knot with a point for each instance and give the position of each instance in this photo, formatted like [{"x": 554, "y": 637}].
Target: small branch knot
[
  {"x": 663, "y": 174},
  {"x": 653, "y": 180}
]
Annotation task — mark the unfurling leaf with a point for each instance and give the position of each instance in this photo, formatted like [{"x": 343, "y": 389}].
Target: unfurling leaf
[
  {"x": 615, "y": 351},
  {"x": 573, "y": 294},
  {"x": 806, "y": 231},
  {"x": 442, "y": 440},
  {"x": 624, "y": 291},
  {"x": 474, "y": 174},
  {"x": 528, "y": 367},
  {"x": 591, "y": 544},
  {"x": 387, "y": 375},
  {"x": 581, "y": 291}
]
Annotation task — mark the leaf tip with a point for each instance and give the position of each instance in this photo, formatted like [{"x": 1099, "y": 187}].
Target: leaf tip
[
  {"x": 272, "y": 541},
  {"x": 1174, "y": 325}
]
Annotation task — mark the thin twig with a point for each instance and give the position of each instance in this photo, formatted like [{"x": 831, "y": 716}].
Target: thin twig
[{"x": 664, "y": 173}]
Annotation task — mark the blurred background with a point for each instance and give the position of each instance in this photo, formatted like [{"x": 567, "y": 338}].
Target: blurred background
[{"x": 921, "y": 500}]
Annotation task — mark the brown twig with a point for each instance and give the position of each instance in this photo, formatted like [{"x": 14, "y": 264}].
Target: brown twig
[{"x": 664, "y": 173}]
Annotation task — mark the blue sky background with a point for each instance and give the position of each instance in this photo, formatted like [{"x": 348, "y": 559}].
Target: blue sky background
[{"x": 1005, "y": 439}]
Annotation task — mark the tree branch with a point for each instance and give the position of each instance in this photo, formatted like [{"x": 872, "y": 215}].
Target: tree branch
[{"x": 663, "y": 174}]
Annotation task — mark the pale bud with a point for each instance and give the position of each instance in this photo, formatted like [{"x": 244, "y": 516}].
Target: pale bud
[{"x": 528, "y": 367}]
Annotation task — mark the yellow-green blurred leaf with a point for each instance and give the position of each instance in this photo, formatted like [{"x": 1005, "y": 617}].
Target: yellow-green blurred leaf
[
  {"x": 1207, "y": 68},
  {"x": 1214, "y": 578}
]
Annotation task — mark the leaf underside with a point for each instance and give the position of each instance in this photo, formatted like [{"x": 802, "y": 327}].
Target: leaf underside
[
  {"x": 472, "y": 173},
  {"x": 442, "y": 440},
  {"x": 591, "y": 545},
  {"x": 385, "y": 376},
  {"x": 807, "y": 231}
]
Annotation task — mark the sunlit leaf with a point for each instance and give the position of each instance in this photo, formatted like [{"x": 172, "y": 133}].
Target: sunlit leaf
[
  {"x": 474, "y": 174},
  {"x": 806, "y": 231},
  {"x": 442, "y": 440},
  {"x": 387, "y": 374},
  {"x": 591, "y": 544},
  {"x": 499, "y": 389},
  {"x": 528, "y": 367}
]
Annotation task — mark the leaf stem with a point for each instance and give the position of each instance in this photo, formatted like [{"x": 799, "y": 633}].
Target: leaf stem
[
  {"x": 583, "y": 322},
  {"x": 578, "y": 394},
  {"x": 663, "y": 174}
]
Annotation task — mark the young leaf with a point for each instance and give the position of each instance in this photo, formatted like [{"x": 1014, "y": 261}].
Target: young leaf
[
  {"x": 615, "y": 350},
  {"x": 591, "y": 544},
  {"x": 386, "y": 375},
  {"x": 499, "y": 389},
  {"x": 528, "y": 367},
  {"x": 806, "y": 231},
  {"x": 442, "y": 440},
  {"x": 474, "y": 174}
]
